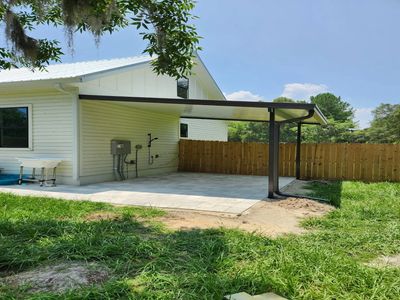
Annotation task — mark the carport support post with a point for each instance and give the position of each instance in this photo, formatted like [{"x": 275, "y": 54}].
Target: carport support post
[
  {"x": 270, "y": 155},
  {"x": 298, "y": 150},
  {"x": 273, "y": 160}
]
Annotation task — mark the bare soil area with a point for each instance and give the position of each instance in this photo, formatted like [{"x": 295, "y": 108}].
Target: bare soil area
[
  {"x": 102, "y": 215},
  {"x": 270, "y": 218},
  {"x": 386, "y": 261},
  {"x": 59, "y": 278}
]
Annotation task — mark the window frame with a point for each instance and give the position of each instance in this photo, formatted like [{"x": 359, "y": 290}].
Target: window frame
[
  {"x": 187, "y": 90},
  {"x": 180, "y": 131},
  {"x": 29, "y": 106}
]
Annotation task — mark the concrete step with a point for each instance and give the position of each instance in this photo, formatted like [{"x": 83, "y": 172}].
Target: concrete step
[{"x": 245, "y": 296}]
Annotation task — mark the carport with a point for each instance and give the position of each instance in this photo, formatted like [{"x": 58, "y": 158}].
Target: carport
[{"x": 274, "y": 113}]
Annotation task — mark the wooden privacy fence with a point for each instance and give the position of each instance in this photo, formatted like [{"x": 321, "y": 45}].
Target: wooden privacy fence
[{"x": 366, "y": 162}]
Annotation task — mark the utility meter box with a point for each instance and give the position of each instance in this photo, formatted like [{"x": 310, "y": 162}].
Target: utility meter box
[{"x": 120, "y": 147}]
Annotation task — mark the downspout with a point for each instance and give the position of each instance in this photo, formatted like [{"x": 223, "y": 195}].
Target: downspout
[
  {"x": 76, "y": 131},
  {"x": 299, "y": 119},
  {"x": 298, "y": 150},
  {"x": 277, "y": 191}
]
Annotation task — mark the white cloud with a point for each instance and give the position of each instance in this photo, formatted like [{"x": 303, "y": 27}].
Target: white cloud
[
  {"x": 363, "y": 116},
  {"x": 303, "y": 91},
  {"x": 243, "y": 96}
]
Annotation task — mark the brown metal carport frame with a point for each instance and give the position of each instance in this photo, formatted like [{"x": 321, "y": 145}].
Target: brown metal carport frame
[{"x": 273, "y": 112}]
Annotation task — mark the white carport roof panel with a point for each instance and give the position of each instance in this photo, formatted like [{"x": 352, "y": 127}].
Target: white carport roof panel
[
  {"x": 218, "y": 109},
  {"x": 204, "y": 111}
]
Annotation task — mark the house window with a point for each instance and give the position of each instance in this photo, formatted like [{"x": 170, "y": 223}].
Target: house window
[
  {"x": 184, "y": 130},
  {"x": 183, "y": 88},
  {"x": 14, "y": 127}
]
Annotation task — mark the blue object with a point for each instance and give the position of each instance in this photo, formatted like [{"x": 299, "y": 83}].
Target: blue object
[{"x": 8, "y": 179}]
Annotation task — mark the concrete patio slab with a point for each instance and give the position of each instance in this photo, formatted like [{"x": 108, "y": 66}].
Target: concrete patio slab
[{"x": 197, "y": 191}]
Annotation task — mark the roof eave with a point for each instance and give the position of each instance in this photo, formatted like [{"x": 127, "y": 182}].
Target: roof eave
[
  {"x": 41, "y": 82},
  {"x": 214, "y": 83},
  {"x": 321, "y": 116}
]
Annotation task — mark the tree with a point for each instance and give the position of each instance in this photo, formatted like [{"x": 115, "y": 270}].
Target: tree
[
  {"x": 333, "y": 107},
  {"x": 385, "y": 126},
  {"x": 341, "y": 127},
  {"x": 288, "y": 131},
  {"x": 334, "y": 132},
  {"x": 340, "y": 115},
  {"x": 258, "y": 131},
  {"x": 164, "y": 24},
  {"x": 283, "y": 100},
  {"x": 248, "y": 132}
]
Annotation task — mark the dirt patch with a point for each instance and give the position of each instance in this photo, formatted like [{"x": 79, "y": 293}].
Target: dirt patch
[
  {"x": 270, "y": 218},
  {"x": 60, "y": 277},
  {"x": 386, "y": 261},
  {"x": 297, "y": 187},
  {"x": 102, "y": 215},
  {"x": 308, "y": 206}
]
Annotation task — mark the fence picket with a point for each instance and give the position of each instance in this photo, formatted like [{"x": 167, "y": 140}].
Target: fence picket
[{"x": 367, "y": 162}]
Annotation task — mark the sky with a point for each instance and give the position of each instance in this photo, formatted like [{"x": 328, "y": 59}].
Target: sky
[{"x": 263, "y": 49}]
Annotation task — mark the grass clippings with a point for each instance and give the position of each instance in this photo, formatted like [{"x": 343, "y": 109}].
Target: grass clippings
[
  {"x": 59, "y": 278},
  {"x": 392, "y": 261}
]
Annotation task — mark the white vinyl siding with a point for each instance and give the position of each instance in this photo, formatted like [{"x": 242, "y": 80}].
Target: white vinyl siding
[
  {"x": 197, "y": 90},
  {"x": 206, "y": 130},
  {"x": 138, "y": 82},
  {"x": 51, "y": 132},
  {"x": 103, "y": 121},
  {"x": 141, "y": 81}
]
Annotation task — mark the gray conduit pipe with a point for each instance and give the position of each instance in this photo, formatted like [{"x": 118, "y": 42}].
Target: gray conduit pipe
[{"x": 115, "y": 168}]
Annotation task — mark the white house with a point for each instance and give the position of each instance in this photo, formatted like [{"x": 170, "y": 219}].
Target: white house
[{"x": 42, "y": 115}]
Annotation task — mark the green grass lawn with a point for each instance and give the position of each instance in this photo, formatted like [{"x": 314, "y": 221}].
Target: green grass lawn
[{"x": 150, "y": 262}]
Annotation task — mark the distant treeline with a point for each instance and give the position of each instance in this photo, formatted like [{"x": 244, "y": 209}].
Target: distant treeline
[{"x": 341, "y": 127}]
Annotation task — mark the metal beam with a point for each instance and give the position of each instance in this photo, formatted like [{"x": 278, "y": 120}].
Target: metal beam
[
  {"x": 232, "y": 103},
  {"x": 223, "y": 119}
]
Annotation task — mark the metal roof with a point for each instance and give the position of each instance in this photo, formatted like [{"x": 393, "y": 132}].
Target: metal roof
[
  {"x": 221, "y": 110},
  {"x": 70, "y": 70}
]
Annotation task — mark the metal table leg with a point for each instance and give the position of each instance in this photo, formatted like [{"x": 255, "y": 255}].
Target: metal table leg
[
  {"x": 54, "y": 176},
  {"x": 21, "y": 172},
  {"x": 41, "y": 181}
]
